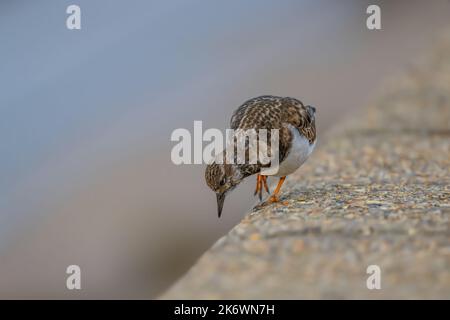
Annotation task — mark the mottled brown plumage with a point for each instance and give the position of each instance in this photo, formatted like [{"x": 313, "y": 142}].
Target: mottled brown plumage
[
  {"x": 271, "y": 112},
  {"x": 264, "y": 112}
]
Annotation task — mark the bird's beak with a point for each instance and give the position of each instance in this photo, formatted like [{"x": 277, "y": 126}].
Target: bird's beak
[{"x": 220, "y": 200}]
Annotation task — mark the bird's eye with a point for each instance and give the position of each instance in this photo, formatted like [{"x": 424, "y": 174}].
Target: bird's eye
[{"x": 222, "y": 182}]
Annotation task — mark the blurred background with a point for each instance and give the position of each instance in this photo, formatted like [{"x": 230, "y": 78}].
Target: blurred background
[{"x": 86, "y": 117}]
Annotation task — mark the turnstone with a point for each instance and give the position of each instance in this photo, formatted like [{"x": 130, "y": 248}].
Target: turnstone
[{"x": 297, "y": 138}]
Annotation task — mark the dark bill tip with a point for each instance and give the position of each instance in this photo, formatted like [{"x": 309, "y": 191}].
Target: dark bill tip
[{"x": 220, "y": 201}]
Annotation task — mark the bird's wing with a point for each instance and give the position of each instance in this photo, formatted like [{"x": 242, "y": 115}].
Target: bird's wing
[
  {"x": 296, "y": 114},
  {"x": 263, "y": 112},
  {"x": 271, "y": 112}
]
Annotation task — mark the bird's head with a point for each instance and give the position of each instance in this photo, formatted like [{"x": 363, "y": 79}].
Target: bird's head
[{"x": 222, "y": 179}]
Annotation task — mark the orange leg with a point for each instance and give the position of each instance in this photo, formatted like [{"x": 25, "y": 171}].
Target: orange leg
[
  {"x": 261, "y": 181},
  {"x": 258, "y": 186},
  {"x": 274, "y": 197},
  {"x": 264, "y": 179}
]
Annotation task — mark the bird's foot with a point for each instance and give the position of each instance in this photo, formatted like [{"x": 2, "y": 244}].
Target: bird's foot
[{"x": 273, "y": 199}]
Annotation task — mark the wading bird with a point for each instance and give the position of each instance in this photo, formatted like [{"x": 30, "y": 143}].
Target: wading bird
[{"x": 297, "y": 138}]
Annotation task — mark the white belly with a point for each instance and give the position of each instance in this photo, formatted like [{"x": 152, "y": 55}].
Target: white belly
[{"x": 298, "y": 154}]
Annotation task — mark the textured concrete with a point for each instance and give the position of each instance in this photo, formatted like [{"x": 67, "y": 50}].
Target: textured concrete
[{"x": 376, "y": 192}]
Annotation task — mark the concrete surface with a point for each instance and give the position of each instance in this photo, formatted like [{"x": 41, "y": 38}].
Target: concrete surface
[{"x": 377, "y": 192}]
